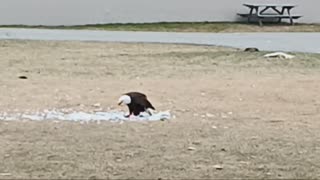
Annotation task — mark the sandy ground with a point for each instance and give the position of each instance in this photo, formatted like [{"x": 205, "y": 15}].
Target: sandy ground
[{"x": 238, "y": 115}]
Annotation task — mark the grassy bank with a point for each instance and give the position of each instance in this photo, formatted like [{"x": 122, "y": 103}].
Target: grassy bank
[{"x": 188, "y": 27}]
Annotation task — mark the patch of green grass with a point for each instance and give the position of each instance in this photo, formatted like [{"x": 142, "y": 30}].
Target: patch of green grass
[{"x": 187, "y": 27}]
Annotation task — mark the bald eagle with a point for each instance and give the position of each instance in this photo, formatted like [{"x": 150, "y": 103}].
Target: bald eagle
[{"x": 137, "y": 102}]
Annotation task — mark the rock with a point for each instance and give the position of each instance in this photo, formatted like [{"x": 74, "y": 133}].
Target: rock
[
  {"x": 96, "y": 105},
  {"x": 218, "y": 167},
  {"x": 244, "y": 162},
  {"x": 5, "y": 174},
  {"x": 210, "y": 115},
  {"x": 183, "y": 110},
  {"x": 196, "y": 142},
  {"x": 81, "y": 105},
  {"x": 251, "y": 49},
  {"x": 261, "y": 167},
  {"x": 98, "y": 110},
  {"x": 118, "y": 159},
  {"x": 22, "y": 77},
  {"x": 214, "y": 127},
  {"x": 191, "y": 148},
  {"x": 7, "y": 155},
  {"x": 224, "y": 116}
]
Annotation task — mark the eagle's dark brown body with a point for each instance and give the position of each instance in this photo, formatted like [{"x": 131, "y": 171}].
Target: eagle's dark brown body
[{"x": 139, "y": 103}]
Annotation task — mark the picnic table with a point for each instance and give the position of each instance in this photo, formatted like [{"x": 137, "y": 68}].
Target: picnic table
[{"x": 275, "y": 11}]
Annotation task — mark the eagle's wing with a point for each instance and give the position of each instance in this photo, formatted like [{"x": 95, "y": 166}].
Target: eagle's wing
[
  {"x": 136, "y": 94},
  {"x": 143, "y": 101}
]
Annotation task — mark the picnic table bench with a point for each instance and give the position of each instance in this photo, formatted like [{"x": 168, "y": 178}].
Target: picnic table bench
[{"x": 276, "y": 11}]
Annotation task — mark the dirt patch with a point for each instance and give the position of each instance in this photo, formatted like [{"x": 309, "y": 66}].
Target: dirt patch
[{"x": 238, "y": 115}]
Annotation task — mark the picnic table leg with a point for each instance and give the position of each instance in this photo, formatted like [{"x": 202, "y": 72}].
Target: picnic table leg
[
  {"x": 260, "y": 18},
  {"x": 250, "y": 14},
  {"x": 260, "y": 21},
  {"x": 291, "y": 19},
  {"x": 281, "y": 13}
]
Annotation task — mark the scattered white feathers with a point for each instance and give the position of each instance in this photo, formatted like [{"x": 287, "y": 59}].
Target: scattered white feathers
[
  {"x": 114, "y": 116},
  {"x": 279, "y": 55}
]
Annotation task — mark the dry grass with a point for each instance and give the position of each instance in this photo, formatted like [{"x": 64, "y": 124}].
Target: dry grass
[
  {"x": 257, "y": 118},
  {"x": 190, "y": 27}
]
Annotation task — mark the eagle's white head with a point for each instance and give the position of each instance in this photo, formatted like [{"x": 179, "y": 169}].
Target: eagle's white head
[{"x": 125, "y": 99}]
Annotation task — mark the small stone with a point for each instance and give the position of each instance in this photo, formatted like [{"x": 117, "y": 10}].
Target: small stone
[
  {"x": 182, "y": 110},
  {"x": 98, "y": 110},
  {"x": 251, "y": 49},
  {"x": 203, "y": 94},
  {"x": 209, "y": 115},
  {"x": 261, "y": 167},
  {"x": 214, "y": 127},
  {"x": 97, "y": 105},
  {"x": 7, "y": 155},
  {"x": 224, "y": 116},
  {"x": 244, "y": 162},
  {"x": 196, "y": 142},
  {"x": 22, "y": 77},
  {"x": 254, "y": 137},
  {"x": 5, "y": 174},
  {"x": 230, "y": 113},
  {"x": 218, "y": 167},
  {"x": 191, "y": 148}
]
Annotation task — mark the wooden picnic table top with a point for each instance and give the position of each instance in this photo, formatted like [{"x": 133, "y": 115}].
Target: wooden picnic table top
[{"x": 268, "y": 5}]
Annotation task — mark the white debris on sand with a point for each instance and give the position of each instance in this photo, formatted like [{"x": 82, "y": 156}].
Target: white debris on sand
[
  {"x": 114, "y": 116},
  {"x": 279, "y": 55}
]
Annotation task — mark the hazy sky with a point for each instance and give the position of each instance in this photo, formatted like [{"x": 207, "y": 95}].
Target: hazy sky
[{"x": 67, "y": 12}]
